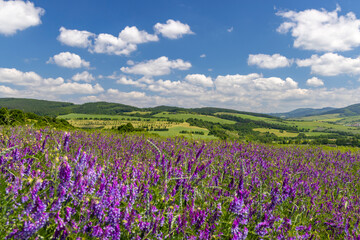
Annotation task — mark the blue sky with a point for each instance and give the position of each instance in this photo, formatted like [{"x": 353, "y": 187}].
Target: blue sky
[{"x": 260, "y": 55}]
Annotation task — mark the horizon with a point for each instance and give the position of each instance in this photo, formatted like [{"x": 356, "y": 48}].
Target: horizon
[
  {"x": 262, "y": 56},
  {"x": 155, "y": 106}
]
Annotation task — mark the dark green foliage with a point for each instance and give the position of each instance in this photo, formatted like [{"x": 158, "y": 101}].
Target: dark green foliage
[
  {"x": 211, "y": 111},
  {"x": 103, "y": 108},
  {"x": 17, "y": 117},
  {"x": 192, "y": 132},
  {"x": 126, "y": 128},
  {"x": 259, "y": 123},
  {"x": 4, "y": 116},
  {"x": 39, "y": 107}
]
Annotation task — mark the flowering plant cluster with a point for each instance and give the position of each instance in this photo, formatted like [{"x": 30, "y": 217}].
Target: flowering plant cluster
[{"x": 78, "y": 185}]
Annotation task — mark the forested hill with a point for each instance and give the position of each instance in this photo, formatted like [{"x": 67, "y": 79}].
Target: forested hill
[
  {"x": 303, "y": 112},
  {"x": 54, "y": 108},
  {"x": 40, "y": 107},
  {"x": 351, "y": 110}
]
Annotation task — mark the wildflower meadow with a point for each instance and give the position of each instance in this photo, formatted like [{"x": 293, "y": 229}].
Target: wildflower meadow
[{"x": 98, "y": 185}]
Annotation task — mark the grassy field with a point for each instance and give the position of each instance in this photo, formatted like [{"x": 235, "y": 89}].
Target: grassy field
[
  {"x": 319, "y": 126},
  {"x": 184, "y": 116},
  {"x": 78, "y": 116},
  {"x": 176, "y": 129},
  {"x": 91, "y": 121},
  {"x": 280, "y": 133},
  {"x": 330, "y": 122},
  {"x": 276, "y": 132},
  {"x": 326, "y": 118},
  {"x": 322, "y": 126}
]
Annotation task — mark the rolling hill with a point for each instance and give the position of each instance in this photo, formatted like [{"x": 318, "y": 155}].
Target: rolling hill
[
  {"x": 304, "y": 112},
  {"x": 53, "y": 108},
  {"x": 351, "y": 110}
]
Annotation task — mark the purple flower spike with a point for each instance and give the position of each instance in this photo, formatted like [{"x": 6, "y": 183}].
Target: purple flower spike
[{"x": 237, "y": 233}]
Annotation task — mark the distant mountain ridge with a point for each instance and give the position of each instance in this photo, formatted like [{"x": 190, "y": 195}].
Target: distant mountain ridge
[
  {"x": 351, "y": 110},
  {"x": 304, "y": 112}
]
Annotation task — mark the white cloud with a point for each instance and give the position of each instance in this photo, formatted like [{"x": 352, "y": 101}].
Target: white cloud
[
  {"x": 252, "y": 92},
  {"x": 33, "y": 85},
  {"x": 331, "y": 64},
  {"x": 127, "y": 81},
  {"x": 247, "y": 100},
  {"x": 269, "y": 61},
  {"x": 314, "y": 82},
  {"x": 157, "y": 67},
  {"x": 322, "y": 30},
  {"x": 203, "y": 55},
  {"x": 133, "y": 98},
  {"x": 18, "y": 15},
  {"x": 7, "y": 91},
  {"x": 75, "y": 88},
  {"x": 252, "y": 84},
  {"x": 107, "y": 43},
  {"x": 68, "y": 60},
  {"x": 177, "y": 89},
  {"x": 16, "y": 77},
  {"x": 133, "y": 35},
  {"x": 199, "y": 79},
  {"x": 123, "y": 44},
  {"x": 130, "y": 62},
  {"x": 75, "y": 38},
  {"x": 172, "y": 29},
  {"x": 84, "y": 76},
  {"x": 230, "y": 29}
]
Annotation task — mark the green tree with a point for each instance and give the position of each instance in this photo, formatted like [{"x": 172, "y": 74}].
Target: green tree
[{"x": 4, "y": 116}]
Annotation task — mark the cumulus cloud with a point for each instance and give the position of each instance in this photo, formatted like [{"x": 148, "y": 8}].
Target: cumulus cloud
[
  {"x": 75, "y": 38},
  {"x": 331, "y": 64},
  {"x": 18, "y": 15},
  {"x": 157, "y": 67},
  {"x": 68, "y": 60},
  {"x": 321, "y": 30},
  {"x": 128, "y": 81},
  {"x": 203, "y": 55},
  {"x": 269, "y": 61},
  {"x": 16, "y": 77},
  {"x": 250, "y": 100},
  {"x": 199, "y": 79},
  {"x": 134, "y": 98},
  {"x": 75, "y": 88},
  {"x": 130, "y": 62},
  {"x": 230, "y": 29},
  {"x": 133, "y": 35},
  {"x": 8, "y": 92},
  {"x": 123, "y": 44},
  {"x": 109, "y": 44},
  {"x": 252, "y": 83},
  {"x": 36, "y": 86},
  {"x": 172, "y": 29},
  {"x": 314, "y": 82},
  {"x": 84, "y": 76},
  {"x": 177, "y": 88}
]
